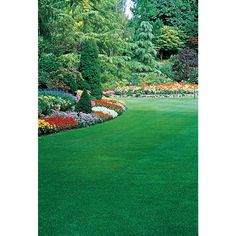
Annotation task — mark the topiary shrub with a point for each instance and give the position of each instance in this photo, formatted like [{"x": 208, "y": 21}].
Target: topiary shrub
[
  {"x": 90, "y": 68},
  {"x": 84, "y": 104}
]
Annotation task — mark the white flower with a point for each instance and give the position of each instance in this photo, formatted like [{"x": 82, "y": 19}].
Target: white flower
[{"x": 106, "y": 111}]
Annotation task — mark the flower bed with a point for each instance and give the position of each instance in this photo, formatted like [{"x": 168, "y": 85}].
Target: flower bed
[
  {"x": 108, "y": 112},
  {"x": 56, "y": 112},
  {"x": 88, "y": 119},
  {"x": 44, "y": 127},
  {"x": 62, "y": 122},
  {"x": 159, "y": 90},
  {"x": 49, "y": 100},
  {"x": 116, "y": 107}
]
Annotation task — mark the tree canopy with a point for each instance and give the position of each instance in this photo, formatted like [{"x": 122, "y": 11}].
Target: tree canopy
[{"x": 125, "y": 47}]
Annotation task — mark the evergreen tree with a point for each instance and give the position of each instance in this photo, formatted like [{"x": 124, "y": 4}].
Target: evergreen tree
[
  {"x": 145, "y": 51},
  {"x": 84, "y": 104},
  {"x": 90, "y": 68}
]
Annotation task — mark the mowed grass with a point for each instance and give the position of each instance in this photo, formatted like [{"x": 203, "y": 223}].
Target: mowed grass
[{"x": 135, "y": 175}]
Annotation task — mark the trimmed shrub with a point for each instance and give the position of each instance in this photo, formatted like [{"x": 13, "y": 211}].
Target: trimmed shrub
[{"x": 84, "y": 104}]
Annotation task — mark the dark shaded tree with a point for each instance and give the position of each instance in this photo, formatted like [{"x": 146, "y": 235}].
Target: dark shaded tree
[{"x": 185, "y": 66}]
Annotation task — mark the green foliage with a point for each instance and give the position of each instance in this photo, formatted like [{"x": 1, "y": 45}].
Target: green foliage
[
  {"x": 165, "y": 68},
  {"x": 59, "y": 72},
  {"x": 84, "y": 104},
  {"x": 145, "y": 51},
  {"x": 49, "y": 63},
  {"x": 181, "y": 14},
  {"x": 90, "y": 68},
  {"x": 126, "y": 48},
  {"x": 168, "y": 41},
  {"x": 115, "y": 70}
]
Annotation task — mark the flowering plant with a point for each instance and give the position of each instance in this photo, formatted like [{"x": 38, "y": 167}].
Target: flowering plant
[
  {"x": 105, "y": 110},
  {"x": 102, "y": 115},
  {"x": 88, "y": 119},
  {"x": 109, "y": 105},
  {"x": 114, "y": 100},
  {"x": 72, "y": 114},
  {"x": 158, "y": 89},
  {"x": 56, "y": 119},
  {"x": 62, "y": 122},
  {"x": 44, "y": 127},
  {"x": 108, "y": 92}
]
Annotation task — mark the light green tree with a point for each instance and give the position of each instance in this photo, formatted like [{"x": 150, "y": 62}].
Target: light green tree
[{"x": 168, "y": 41}]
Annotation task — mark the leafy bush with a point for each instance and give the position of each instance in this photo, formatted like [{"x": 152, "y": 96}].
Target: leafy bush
[
  {"x": 165, "y": 68},
  {"x": 186, "y": 66},
  {"x": 49, "y": 62},
  {"x": 59, "y": 72},
  {"x": 84, "y": 104}
]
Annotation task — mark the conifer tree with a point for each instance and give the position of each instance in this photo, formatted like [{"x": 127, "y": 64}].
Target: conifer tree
[
  {"x": 90, "y": 68},
  {"x": 145, "y": 51}
]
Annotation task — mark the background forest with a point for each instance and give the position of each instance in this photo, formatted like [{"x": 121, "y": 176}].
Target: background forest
[{"x": 158, "y": 44}]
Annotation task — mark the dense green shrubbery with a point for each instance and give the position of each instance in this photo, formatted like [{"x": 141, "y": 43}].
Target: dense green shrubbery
[
  {"x": 165, "y": 68},
  {"x": 60, "y": 72}
]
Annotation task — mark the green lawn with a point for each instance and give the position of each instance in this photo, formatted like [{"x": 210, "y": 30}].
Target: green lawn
[{"x": 133, "y": 176}]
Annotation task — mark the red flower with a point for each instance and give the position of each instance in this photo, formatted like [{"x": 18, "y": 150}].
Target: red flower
[
  {"x": 105, "y": 103},
  {"x": 62, "y": 122}
]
